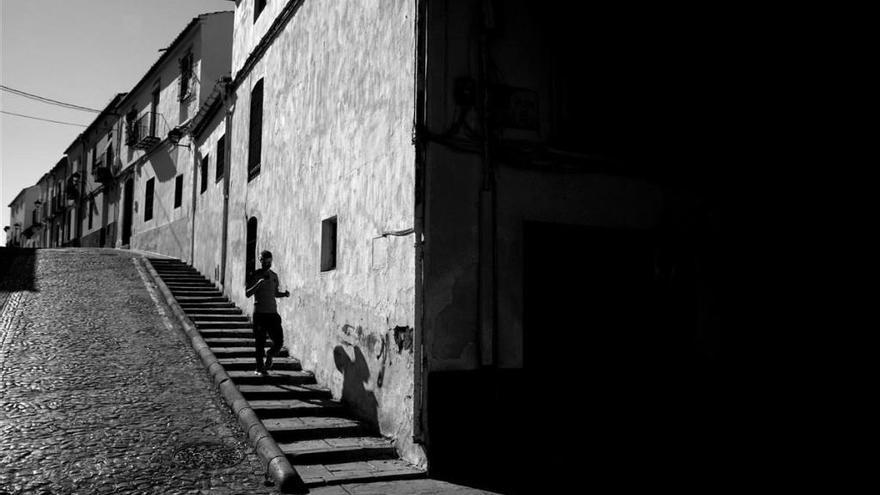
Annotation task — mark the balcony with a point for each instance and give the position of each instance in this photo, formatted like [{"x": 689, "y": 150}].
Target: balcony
[{"x": 143, "y": 133}]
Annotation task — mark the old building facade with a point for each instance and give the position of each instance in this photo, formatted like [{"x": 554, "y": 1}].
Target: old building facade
[
  {"x": 96, "y": 150},
  {"x": 482, "y": 210},
  {"x": 157, "y": 179}
]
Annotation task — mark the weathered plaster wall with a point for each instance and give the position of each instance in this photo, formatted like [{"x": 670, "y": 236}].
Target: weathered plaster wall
[
  {"x": 338, "y": 109},
  {"x": 169, "y": 230},
  {"x": 247, "y": 32},
  {"x": 215, "y": 63},
  {"x": 209, "y": 204}
]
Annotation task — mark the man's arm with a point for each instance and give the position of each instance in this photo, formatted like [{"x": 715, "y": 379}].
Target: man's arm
[
  {"x": 249, "y": 291},
  {"x": 280, "y": 294}
]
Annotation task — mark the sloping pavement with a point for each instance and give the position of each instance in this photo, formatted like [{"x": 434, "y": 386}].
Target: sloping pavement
[{"x": 100, "y": 391}]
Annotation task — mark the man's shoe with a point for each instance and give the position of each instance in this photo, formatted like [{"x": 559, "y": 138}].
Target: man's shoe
[
  {"x": 269, "y": 362},
  {"x": 261, "y": 372}
]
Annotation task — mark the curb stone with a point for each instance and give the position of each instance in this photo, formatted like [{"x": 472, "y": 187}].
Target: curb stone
[{"x": 277, "y": 465}]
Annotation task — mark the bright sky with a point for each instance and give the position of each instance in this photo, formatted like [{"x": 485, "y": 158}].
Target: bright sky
[{"x": 75, "y": 51}]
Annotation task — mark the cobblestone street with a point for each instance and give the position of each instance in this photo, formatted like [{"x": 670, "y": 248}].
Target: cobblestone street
[{"x": 99, "y": 391}]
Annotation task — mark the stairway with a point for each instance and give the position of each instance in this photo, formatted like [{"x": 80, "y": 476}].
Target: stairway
[{"x": 323, "y": 442}]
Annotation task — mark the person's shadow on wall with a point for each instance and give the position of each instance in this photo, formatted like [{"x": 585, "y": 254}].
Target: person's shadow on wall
[{"x": 355, "y": 375}]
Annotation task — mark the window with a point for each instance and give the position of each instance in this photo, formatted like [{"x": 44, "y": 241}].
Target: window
[
  {"x": 91, "y": 211},
  {"x": 205, "y": 173},
  {"x": 186, "y": 72},
  {"x": 259, "y": 5},
  {"x": 148, "y": 200},
  {"x": 256, "y": 130},
  {"x": 94, "y": 157},
  {"x": 251, "y": 249},
  {"x": 221, "y": 154},
  {"x": 109, "y": 157},
  {"x": 328, "y": 244},
  {"x": 178, "y": 190}
]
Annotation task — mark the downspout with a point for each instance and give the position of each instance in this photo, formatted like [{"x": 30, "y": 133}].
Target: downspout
[
  {"x": 419, "y": 358},
  {"x": 487, "y": 338},
  {"x": 227, "y": 150},
  {"x": 83, "y": 180},
  {"x": 195, "y": 195}
]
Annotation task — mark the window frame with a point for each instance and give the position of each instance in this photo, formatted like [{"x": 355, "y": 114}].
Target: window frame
[{"x": 149, "y": 193}]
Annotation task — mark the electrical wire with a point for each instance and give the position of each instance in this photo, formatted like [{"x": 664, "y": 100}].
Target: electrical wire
[
  {"x": 38, "y": 118},
  {"x": 43, "y": 99}
]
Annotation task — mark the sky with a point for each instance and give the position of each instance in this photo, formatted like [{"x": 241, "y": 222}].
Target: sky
[{"x": 75, "y": 51}]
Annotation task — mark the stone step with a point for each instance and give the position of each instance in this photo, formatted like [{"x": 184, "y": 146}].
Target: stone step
[
  {"x": 296, "y": 408},
  {"x": 218, "y": 316},
  {"x": 275, "y": 377},
  {"x": 338, "y": 450},
  {"x": 229, "y": 333},
  {"x": 195, "y": 283},
  {"x": 314, "y": 475},
  {"x": 207, "y": 292},
  {"x": 183, "y": 278},
  {"x": 287, "y": 430},
  {"x": 222, "y": 324},
  {"x": 202, "y": 307},
  {"x": 249, "y": 364},
  {"x": 239, "y": 341},
  {"x": 201, "y": 299},
  {"x": 175, "y": 269},
  {"x": 213, "y": 313},
  {"x": 195, "y": 289},
  {"x": 232, "y": 352},
  {"x": 282, "y": 391}
]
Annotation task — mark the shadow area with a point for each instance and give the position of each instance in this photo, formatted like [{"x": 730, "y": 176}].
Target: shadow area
[
  {"x": 355, "y": 395},
  {"x": 17, "y": 269}
]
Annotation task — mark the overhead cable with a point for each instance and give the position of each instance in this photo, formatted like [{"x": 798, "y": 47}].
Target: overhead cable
[
  {"x": 49, "y": 101},
  {"x": 38, "y": 118}
]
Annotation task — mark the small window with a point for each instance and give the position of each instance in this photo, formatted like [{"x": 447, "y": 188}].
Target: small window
[
  {"x": 186, "y": 72},
  {"x": 259, "y": 5},
  {"x": 178, "y": 191},
  {"x": 255, "y": 139},
  {"x": 205, "y": 173},
  {"x": 328, "y": 244},
  {"x": 221, "y": 154},
  {"x": 148, "y": 200}
]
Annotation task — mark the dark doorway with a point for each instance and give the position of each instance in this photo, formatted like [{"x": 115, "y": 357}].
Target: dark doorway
[
  {"x": 127, "y": 212},
  {"x": 251, "y": 256}
]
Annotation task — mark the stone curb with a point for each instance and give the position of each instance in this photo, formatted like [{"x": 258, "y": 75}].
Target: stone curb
[{"x": 286, "y": 478}]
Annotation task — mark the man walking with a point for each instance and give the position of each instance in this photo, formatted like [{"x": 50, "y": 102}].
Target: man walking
[{"x": 264, "y": 287}]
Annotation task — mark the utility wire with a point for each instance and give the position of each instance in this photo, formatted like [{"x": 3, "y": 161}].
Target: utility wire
[
  {"x": 44, "y": 120},
  {"x": 49, "y": 101}
]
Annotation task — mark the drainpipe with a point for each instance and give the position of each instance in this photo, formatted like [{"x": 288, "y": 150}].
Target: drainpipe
[
  {"x": 83, "y": 180},
  {"x": 487, "y": 338},
  {"x": 195, "y": 195},
  {"x": 227, "y": 150},
  {"x": 419, "y": 357}
]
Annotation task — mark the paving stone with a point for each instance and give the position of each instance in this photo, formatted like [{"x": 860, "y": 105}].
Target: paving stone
[{"x": 97, "y": 393}]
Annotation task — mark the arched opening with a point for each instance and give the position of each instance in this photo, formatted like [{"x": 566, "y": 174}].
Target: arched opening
[{"x": 251, "y": 256}]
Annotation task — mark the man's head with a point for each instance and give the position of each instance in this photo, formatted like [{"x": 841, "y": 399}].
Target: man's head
[{"x": 266, "y": 259}]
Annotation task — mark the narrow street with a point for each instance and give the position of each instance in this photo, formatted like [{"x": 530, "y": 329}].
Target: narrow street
[{"x": 99, "y": 393}]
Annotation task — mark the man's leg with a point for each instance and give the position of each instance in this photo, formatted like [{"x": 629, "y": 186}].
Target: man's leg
[
  {"x": 259, "y": 339},
  {"x": 277, "y": 336}
]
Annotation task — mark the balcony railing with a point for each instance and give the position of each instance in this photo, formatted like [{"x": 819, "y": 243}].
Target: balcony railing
[{"x": 145, "y": 132}]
